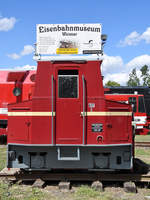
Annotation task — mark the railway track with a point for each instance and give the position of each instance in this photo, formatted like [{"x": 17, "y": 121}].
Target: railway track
[
  {"x": 16, "y": 175},
  {"x": 142, "y": 144}
]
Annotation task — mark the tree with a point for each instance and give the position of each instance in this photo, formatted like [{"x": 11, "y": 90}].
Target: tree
[
  {"x": 133, "y": 79},
  {"x": 145, "y": 75},
  {"x": 112, "y": 84}
]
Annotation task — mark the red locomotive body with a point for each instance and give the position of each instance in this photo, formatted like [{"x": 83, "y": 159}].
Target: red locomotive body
[
  {"x": 6, "y": 96},
  {"x": 68, "y": 123},
  {"x": 138, "y": 107}
]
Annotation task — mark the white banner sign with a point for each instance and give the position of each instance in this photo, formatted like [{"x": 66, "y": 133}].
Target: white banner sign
[{"x": 68, "y": 39}]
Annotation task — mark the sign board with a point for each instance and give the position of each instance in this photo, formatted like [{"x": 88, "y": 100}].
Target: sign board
[{"x": 68, "y": 39}]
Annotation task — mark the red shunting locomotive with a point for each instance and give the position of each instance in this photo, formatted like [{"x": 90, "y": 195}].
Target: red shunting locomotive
[{"x": 69, "y": 123}]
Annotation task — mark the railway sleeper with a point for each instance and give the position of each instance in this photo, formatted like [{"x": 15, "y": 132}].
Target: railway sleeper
[
  {"x": 130, "y": 187},
  {"x": 39, "y": 183},
  {"x": 66, "y": 186},
  {"x": 98, "y": 186}
]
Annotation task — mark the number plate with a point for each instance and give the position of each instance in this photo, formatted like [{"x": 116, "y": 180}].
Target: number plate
[{"x": 97, "y": 127}]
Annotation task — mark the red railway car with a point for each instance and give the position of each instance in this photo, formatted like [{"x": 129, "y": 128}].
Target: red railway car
[
  {"x": 8, "y": 81},
  {"x": 68, "y": 123},
  {"x": 139, "y": 111}
]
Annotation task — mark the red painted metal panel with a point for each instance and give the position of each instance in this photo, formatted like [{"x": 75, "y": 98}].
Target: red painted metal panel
[
  {"x": 119, "y": 128},
  {"x": 42, "y": 125},
  {"x": 19, "y": 130},
  {"x": 22, "y": 130},
  {"x": 41, "y": 130},
  {"x": 17, "y": 76}
]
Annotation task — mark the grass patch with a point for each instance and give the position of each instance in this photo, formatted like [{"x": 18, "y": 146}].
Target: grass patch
[
  {"x": 16, "y": 192},
  {"x": 2, "y": 157},
  {"x": 86, "y": 192},
  {"x": 142, "y": 152}
]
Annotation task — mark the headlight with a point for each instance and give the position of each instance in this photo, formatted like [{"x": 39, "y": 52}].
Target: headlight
[{"x": 16, "y": 91}]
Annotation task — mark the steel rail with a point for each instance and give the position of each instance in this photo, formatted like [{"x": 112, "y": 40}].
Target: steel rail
[
  {"x": 78, "y": 176},
  {"x": 142, "y": 144}
]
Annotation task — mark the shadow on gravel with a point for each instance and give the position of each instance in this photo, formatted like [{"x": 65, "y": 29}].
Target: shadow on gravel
[{"x": 140, "y": 166}]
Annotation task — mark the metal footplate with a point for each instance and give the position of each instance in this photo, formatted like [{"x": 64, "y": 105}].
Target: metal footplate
[{"x": 68, "y": 153}]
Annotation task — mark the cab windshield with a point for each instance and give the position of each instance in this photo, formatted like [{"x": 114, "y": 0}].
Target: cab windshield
[
  {"x": 132, "y": 101},
  {"x": 141, "y": 105}
]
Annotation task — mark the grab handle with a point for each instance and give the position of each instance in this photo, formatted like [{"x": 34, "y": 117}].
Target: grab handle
[
  {"x": 52, "y": 109},
  {"x": 84, "y": 113}
]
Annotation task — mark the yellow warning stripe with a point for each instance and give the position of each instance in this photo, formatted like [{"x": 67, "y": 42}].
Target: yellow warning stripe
[
  {"x": 49, "y": 114},
  {"x": 107, "y": 113}
]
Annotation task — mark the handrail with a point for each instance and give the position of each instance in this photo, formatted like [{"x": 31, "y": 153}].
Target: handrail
[
  {"x": 83, "y": 81},
  {"x": 52, "y": 110}
]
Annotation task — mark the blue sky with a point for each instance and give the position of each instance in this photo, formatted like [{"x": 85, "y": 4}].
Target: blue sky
[{"x": 127, "y": 24}]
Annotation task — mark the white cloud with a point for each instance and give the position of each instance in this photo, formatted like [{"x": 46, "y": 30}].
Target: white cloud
[
  {"x": 28, "y": 49},
  {"x": 138, "y": 62},
  {"x": 13, "y": 56},
  {"x": 20, "y": 68},
  {"x": 25, "y": 67},
  {"x": 7, "y": 24},
  {"x": 112, "y": 63},
  {"x": 120, "y": 73},
  {"x": 112, "y": 69},
  {"x": 134, "y": 38},
  {"x": 121, "y": 78},
  {"x": 146, "y": 35}
]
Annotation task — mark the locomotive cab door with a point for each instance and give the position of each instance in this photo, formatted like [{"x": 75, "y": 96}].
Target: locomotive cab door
[{"x": 68, "y": 107}]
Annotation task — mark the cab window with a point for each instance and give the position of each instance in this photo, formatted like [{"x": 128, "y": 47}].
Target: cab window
[{"x": 68, "y": 83}]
